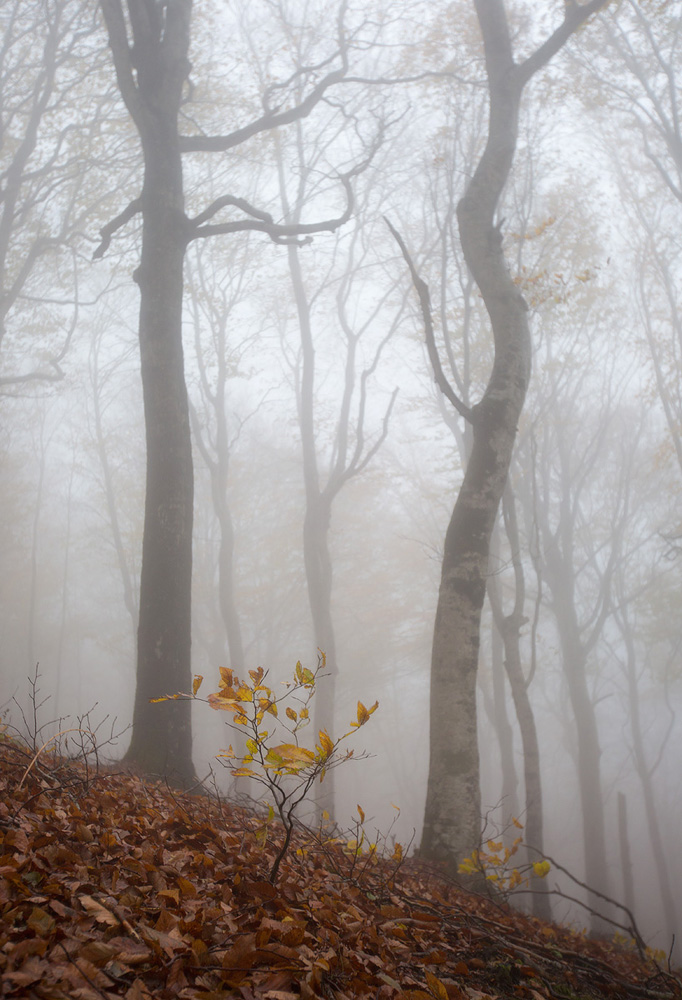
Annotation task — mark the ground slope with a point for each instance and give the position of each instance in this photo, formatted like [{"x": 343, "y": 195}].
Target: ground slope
[{"x": 111, "y": 886}]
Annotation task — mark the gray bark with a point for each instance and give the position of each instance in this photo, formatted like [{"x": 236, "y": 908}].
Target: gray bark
[
  {"x": 510, "y": 628},
  {"x": 151, "y": 74},
  {"x": 151, "y": 71},
  {"x": 452, "y": 813},
  {"x": 645, "y": 774}
]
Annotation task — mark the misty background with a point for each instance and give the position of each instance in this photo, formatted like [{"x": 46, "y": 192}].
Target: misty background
[{"x": 312, "y": 368}]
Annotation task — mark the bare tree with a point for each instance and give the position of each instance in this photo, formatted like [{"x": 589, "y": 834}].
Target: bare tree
[
  {"x": 452, "y": 814},
  {"x": 353, "y": 446},
  {"x": 150, "y": 42},
  {"x": 48, "y": 53}
]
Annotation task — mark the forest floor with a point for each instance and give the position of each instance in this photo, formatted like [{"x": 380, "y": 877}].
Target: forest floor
[{"x": 111, "y": 886}]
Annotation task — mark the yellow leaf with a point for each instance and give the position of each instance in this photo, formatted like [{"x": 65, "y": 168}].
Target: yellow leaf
[
  {"x": 244, "y": 693},
  {"x": 326, "y": 744},
  {"x": 291, "y": 752},
  {"x": 291, "y": 714},
  {"x": 516, "y": 823},
  {"x": 196, "y": 683},
  {"x": 364, "y": 713},
  {"x": 225, "y": 677},
  {"x": 221, "y": 702},
  {"x": 243, "y": 772},
  {"x": 436, "y": 986},
  {"x": 256, "y": 675},
  {"x": 361, "y": 814},
  {"x": 541, "y": 868}
]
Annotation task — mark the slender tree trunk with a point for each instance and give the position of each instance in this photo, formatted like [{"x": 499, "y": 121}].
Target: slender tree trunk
[
  {"x": 510, "y": 628},
  {"x": 226, "y": 588},
  {"x": 625, "y": 857},
  {"x": 644, "y": 772},
  {"x": 61, "y": 641},
  {"x": 574, "y": 659},
  {"x": 129, "y": 595},
  {"x": 316, "y": 556},
  {"x": 35, "y": 534},
  {"x": 503, "y": 729}
]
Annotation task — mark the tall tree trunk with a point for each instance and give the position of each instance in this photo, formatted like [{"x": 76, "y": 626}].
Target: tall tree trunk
[
  {"x": 316, "y": 556},
  {"x": 129, "y": 594},
  {"x": 151, "y": 75},
  {"x": 162, "y": 740},
  {"x": 452, "y": 813}
]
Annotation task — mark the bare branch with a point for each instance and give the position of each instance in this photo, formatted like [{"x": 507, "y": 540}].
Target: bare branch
[
  {"x": 282, "y": 233},
  {"x": 121, "y": 55},
  {"x": 425, "y": 301},
  {"x": 223, "y": 202},
  {"x": 575, "y": 15},
  {"x": 274, "y": 119},
  {"x": 106, "y": 232}
]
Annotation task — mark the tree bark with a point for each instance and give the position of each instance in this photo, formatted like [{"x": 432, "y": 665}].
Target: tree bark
[
  {"x": 559, "y": 576},
  {"x": 452, "y": 813},
  {"x": 505, "y": 735},
  {"x": 510, "y": 629},
  {"x": 625, "y": 857},
  {"x": 162, "y": 737},
  {"x": 645, "y": 774}
]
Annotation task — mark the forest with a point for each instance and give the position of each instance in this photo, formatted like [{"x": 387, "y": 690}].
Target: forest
[{"x": 341, "y": 370}]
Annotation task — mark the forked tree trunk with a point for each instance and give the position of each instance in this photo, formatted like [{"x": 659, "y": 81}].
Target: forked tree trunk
[{"x": 162, "y": 738}]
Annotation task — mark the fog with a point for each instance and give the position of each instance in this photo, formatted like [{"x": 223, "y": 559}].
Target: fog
[{"x": 316, "y": 419}]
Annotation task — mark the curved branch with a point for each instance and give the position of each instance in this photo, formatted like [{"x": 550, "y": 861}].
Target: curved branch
[
  {"x": 575, "y": 15},
  {"x": 106, "y": 232},
  {"x": 223, "y": 202},
  {"x": 425, "y": 301},
  {"x": 274, "y": 119},
  {"x": 282, "y": 233}
]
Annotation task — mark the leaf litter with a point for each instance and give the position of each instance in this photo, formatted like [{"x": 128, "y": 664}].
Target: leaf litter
[{"x": 116, "y": 887}]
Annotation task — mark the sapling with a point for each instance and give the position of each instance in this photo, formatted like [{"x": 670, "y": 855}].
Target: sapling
[{"x": 287, "y": 770}]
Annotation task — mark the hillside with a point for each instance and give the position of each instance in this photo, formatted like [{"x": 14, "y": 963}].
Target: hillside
[{"x": 114, "y": 887}]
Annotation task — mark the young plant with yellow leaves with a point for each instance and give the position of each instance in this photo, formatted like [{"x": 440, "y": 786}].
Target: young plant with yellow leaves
[
  {"x": 288, "y": 770},
  {"x": 492, "y": 861}
]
